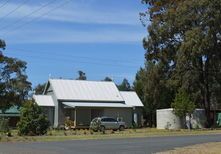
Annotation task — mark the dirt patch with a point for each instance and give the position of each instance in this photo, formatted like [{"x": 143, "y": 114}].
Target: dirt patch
[{"x": 207, "y": 148}]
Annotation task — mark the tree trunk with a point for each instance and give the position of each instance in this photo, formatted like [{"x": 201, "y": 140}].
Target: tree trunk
[
  {"x": 206, "y": 96},
  {"x": 207, "y": 105},
  {"x": 151, "y": 119}
]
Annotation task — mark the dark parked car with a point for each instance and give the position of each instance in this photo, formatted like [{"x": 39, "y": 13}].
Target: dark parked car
[{"x": 104, "y": 123}]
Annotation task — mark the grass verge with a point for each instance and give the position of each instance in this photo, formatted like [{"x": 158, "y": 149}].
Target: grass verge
[{"x": 61, "y": 135}]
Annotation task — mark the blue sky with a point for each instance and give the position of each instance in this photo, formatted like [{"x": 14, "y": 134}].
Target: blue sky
[{"x": 58, "y": 38}]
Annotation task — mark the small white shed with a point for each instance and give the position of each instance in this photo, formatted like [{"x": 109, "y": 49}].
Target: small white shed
[{"x": 166, "y": 119}]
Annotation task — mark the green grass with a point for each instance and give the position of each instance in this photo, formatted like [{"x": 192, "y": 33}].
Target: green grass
[{"x": 61, "y": 135}]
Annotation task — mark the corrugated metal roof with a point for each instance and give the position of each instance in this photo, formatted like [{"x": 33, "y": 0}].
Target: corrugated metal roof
[
  {"x": 131, "y": 98},
  {"x": 86, "y": 104},
  {"x": 11, "y": 110},
  {"x": 44, "y": 100},
  {"x": 78, "y": 90}
]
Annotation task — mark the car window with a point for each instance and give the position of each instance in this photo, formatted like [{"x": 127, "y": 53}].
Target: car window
[
  {"x": 112, "y": 120},
  {"x": 104, "y": 119},
  {"x": 108, "y": 120}
]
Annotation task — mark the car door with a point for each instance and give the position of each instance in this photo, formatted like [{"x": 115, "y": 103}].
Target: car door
[
  {"x": 105, "y": 123},
  {"x": 113, "y": 123}
]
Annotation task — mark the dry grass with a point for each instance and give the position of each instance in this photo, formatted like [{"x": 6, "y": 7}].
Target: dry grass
[
  {"x": 207, "y": 148},
  {"x": 61, "y": 135}
]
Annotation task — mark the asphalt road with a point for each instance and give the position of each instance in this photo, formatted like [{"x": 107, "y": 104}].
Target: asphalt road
[{"x": 107, "y": 146}]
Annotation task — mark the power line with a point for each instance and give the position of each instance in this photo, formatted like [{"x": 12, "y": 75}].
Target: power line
[
  {"x": 36, "y": 18},
  {"x": 12, "y": 11},
  {"x": 4, "y": 4},
  {"x": 28, "y": 15}
]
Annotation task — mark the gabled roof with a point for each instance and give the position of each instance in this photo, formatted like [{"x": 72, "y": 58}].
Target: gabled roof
[
  {"x": 131, "y": 98},
  {"x": 11, "y": 110},
  {"x": 81, "y": 90},
  {"x": 43, "y": 100}
]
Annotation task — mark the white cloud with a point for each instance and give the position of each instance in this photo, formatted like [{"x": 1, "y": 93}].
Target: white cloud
[
  {"x": 75, "y": 13},
  {"x": 73, "y": 36},
  {"x": 50, "y": 32}
]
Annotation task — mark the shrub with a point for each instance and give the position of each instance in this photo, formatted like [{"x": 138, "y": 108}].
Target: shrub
[
  {"x": 68, "y": 123},
  {"x": 4, "y": 127},
  {"x": 32, "y": 121},
  {"x": 134, "y": 125},
  {"x": 182, "y": 104}
]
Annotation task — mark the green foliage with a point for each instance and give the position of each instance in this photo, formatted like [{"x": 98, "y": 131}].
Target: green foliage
[
  {"x": 152, "y": 90},
  {"x": 2, "y": 44},
  {"x": 219, "y": 119},
  {"x": 107, "y": 79},
  {"x": 139, "y": 83},
  {"x": 39, "y": 89},
  {"x": 4, "y": 127},
  {"x": 182, "y": 104},
  {"x": 124, "y": 86},
  {"x": 184, "y": 39},
  {"x": 14, "y": 87},
  {"x": 32, "y": 121},
  {"x": 82, "y": 76}
]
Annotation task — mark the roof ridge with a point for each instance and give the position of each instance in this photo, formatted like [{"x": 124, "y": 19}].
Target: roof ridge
[{"x": 84, "y": 80}]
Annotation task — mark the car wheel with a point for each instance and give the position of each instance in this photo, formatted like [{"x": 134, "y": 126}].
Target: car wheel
[{"x": 121, "y": 128}]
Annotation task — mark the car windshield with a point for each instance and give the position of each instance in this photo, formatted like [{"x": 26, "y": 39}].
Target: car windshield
[{"x": 108, "y": 120}]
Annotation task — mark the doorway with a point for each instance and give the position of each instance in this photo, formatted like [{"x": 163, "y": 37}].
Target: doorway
[{"x": 96, "y": 113}]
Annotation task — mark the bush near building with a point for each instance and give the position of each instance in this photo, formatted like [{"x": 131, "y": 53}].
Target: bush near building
[
  {"x": 4, "y": 127},
  {"x": 33, "y": 121}
]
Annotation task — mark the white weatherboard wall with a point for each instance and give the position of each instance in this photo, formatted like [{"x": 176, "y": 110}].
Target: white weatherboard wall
[{"x": 166, "y": 119}]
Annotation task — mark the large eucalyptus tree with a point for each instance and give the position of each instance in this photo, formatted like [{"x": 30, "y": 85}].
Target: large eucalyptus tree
[{"x": 184, "y": 38}]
